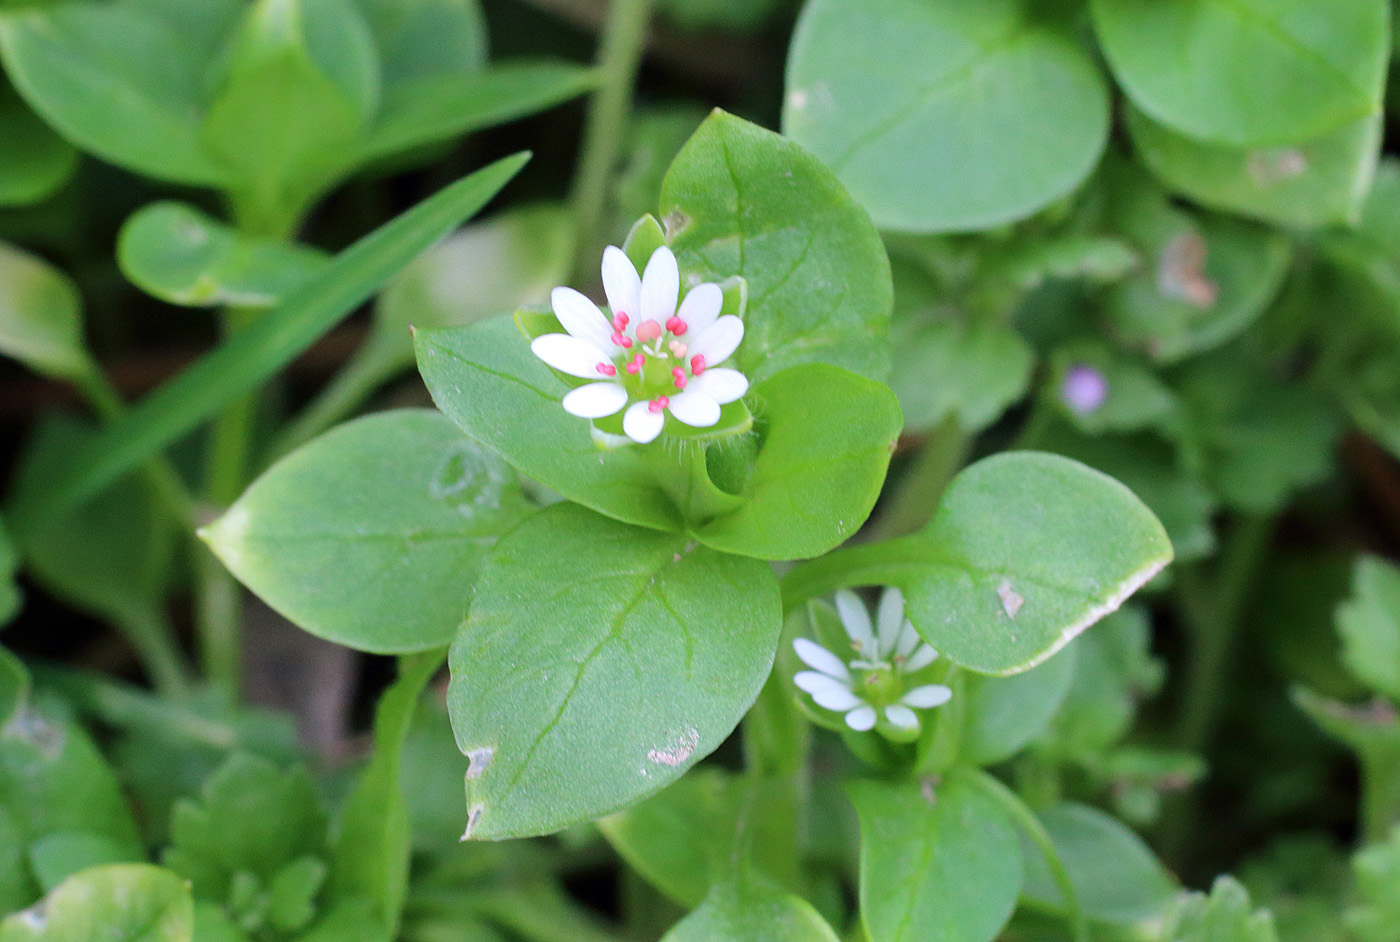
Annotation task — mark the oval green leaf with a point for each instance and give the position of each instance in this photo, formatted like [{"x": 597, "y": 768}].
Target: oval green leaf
[
  {"x": 599, "y": 662},
  {"x": 939, "y": 862},
  {"x": 1248, "y": 72},
  {"x": 34, "y": 161},
  {"x": 41, "y": 316},
  {"x": 174, "y": 252},
  {"x": 370, "y": 535},
  {"x": 1314, "y": 183},
  {"x": 117, "y": 81},
  {"x": 119, "y": 903},
  {"x": 942, "y": 115},
  {"x": 1005, "y": 713},
  {"x": 1026, "y": 550},
  {"x": 820, "y": 465},
  {"x": 745, "y": 909},
  {"x": 740, "y": 200}
]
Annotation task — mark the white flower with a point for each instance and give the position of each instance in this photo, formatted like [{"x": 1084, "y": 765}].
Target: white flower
[
  {"x": 652, "y": 356},
  {"x": 871, "y": 686}
]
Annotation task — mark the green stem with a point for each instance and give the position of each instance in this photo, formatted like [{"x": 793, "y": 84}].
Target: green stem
[
  {"x": 1021, "y": 813},
  {"x": 372, "y": 366},
  {"x": 151, "y": 634},
  {"x": 620, "y": 55},
  {"x": 1212, "y": 616},
  {"x": 939, "y": 458}
]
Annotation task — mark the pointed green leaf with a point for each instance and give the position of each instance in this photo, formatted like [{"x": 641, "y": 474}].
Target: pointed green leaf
[
  {"x": 1369, "y": 623},
  {"x": 1005, "y": 713},
  {"x": 746, "y": 909},
  {"x": 426, "y": 37},
  {"x": 1225, "y": 915},
  {"x": 34, "y": 161},
  {"x": 598, "y": 663},
  {"x": 41, "y": 316}
]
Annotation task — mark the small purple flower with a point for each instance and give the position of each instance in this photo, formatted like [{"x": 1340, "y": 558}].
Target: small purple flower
[{"x": 1084, "y": 389}]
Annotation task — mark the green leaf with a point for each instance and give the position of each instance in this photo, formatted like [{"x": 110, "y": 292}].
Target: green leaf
[
  {"x": 943, "y": 116},
  {"x": 1006, "y": 713},
  {"x": 939, "y": 862},
  {"x": 1026, "y": 550},
  {"x": 972, "y": 371},
  {"x": 14, "y": 687},
  {"x": 112, "y": 555},
  {"x": 115, "y": 80},
  {"x": 1205, "y": 278},
  {"x": 53, "y": 779},
  {"x": 41, "y": 316},
  {"x": 11, "y": 598},
  {"x": 1115, "y": 671},
  {"x": 745, "y": 909},
  {"x": 1224, "y": 916},
  {"x": 1115, "y": 875},
  {"x": 372, "y": 849},
  {"x": 426, "y": 37},
  {"x": 1376, "y": 916},
  {"x": 122, "y": 903},
  {"x": 291, "y": 899},
  {"x": 739, "y": 200},
  {"x": 34, "y": 161},
  {"x": 439, "y": 107},
  {"x": 267, "y": 345},
  {"x": 1369, "y": 624},
  {"x": 597, "y": 664},
  {"x": 821, "y": 462},
  {"x": 395, "y": 509},
  {"x": 174, "y": 252},
  {"x": 250, "y": 821},
  {"x": 1248, "y": 72},
  {"x": 1308, "y": 184},
  {"x": 299, "y": 84},
  {"x": 58, "y": 856}
]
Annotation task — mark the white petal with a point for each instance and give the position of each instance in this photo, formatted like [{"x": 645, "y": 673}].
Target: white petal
[
  {"x": 819, "y": 658},
  {"x": 695, "y": 407},
  {"x": 861, "y": 719},
  {"x": 908, "y": 639},
  {"x": 581, "y": 318},
  {"x": 719, "y": 341},
  {"x": 700, "y": 307},
  {"x": 661, "y": 287},
  {"x": 920, "y": 659},
  {"x": 856, "y": 621},
  {"x": 595, "y": 400},
  {"x": 890, "y": 618},
  {"x": 569, "y": 354},
  {"x": 722, "y": 385},
  {"x": 621, "y": 283},
  {"x": 827, "y": 691},
  {"x": 901, "y": 716},
  {"x": 641, "y": 424},
  {"x": 927, "y": 696}
]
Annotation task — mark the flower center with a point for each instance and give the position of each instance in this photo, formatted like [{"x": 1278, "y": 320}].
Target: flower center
[
  {"x": 880, "y": 685},
  {"x": 656, "y": 364}
]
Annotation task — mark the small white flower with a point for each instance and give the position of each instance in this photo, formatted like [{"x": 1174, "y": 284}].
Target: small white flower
[
  {"x": 652, "y": 356},
  {"x": 871, "y": 686}
]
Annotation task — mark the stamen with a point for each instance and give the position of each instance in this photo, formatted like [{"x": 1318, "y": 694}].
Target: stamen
[
  {"x": 677, "y": 349},
  {"x": 678, "y": 375},
  {"x": 621, "y": 341},
  {"x": 635, "y": 366},
  {"x": 676, "y": 326},
  {"x": 607, "y": 369},
  {"x": 648, "y": 331},
  {"x": 697, "y": 365},
  {"x": 656, "y": 405},
  {"x": 620, "y": 321}
]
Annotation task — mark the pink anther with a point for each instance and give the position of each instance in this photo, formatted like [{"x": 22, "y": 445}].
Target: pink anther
[
  {"x": 677, "y": 349},
  {"x": 697, "y": 364},
  {"x": 620, "y": 322},
  {"x": 648, "y": 330},
  {"x": 607, "y": 369},
  {"x": 621, "y": 341},
  {"x": 678, "y": 375},
  {"x": 676, "y": 326},
  {"x": 635, "y": 366},
  {"x": 656, "y": 405}
]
